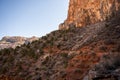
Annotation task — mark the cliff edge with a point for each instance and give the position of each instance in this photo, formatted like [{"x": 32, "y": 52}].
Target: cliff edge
[{"x": 86, "y": 12}]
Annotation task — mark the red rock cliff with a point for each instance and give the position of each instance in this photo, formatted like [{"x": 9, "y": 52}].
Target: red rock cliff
[{"x": 86, "y": 12}]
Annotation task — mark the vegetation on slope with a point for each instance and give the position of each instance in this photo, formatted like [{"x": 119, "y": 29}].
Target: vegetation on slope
[{"x": 62, "y": 54}]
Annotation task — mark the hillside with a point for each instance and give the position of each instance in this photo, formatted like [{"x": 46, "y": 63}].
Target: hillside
[
  {"x": 63, "y": 54},
  {"x": 89, "y": 52}
]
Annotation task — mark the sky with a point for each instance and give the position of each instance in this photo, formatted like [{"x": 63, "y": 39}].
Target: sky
[{"x": 31, "y": 17}]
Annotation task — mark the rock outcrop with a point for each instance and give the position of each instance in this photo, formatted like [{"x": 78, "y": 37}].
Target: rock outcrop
[
  {"x": 7, "y": 41},
  {"x": 86, "y": 12}
]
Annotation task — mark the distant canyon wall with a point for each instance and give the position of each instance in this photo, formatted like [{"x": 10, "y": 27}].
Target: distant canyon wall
[
  {"x": 86, "y": 12},
  {"x": 14, "y": 41}
]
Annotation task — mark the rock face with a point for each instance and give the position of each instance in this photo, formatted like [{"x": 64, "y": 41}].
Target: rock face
[
  {"x": 14, "y": 41},
  {"x": 86, "y": 12}
]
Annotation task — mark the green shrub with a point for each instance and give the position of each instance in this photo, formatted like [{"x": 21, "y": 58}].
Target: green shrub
[
  {"x": 41, "y": 52},
  {"x": 108, "y": 63},
  {"x": 45, "y": 61},
  {"x": 109, "y": 42},
  {"x": 103, "y": 48},
  {"x": 65, "y": 55}
]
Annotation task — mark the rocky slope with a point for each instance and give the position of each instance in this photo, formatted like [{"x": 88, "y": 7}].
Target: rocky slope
[
  {"x": 7, "y": 41},
  {"x": 78, "y": 53},
  {"x": 86, "y": 53},
  {"x": 86, "y": 12}
]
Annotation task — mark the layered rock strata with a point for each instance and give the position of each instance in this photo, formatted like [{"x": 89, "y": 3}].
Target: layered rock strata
[{"x": 86, "y": 12}]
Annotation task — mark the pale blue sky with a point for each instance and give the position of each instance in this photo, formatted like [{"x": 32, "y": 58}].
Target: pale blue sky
[{"x": 31, "y": 17}]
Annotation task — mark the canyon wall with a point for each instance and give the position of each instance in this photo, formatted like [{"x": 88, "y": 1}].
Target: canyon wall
[
  {"x": 86, "y": 12},
  {"x": 14, "y": 41}
]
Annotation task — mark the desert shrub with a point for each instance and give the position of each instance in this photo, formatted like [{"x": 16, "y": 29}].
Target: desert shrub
[
  {"x": 3, "y": 70},
  {"x": 19, "y": 68},
  {"x": 78, "y": 71},
  {"x": 65, "y": 55},
  {"x": 32, "y": 54},
  {"x": 65, "y": 63},
  {"x": 107, "y": 25},
  {"x": 108, "y": 63},
  {"x": 118, "y": 48},
  {"x": 45, "y": 61},
  {"x": 10, "y": 59},
  {"x": 0, "y": 52},
  {"x": 7, "y": 51},
  {"x": 17, "y": 48},
  {"x": 109, "y": 42},
  {"x": 103, "y": 48},
  {"x": 58, "y": 45},
  {"x": 51, "y": 43},
  {"x": 41, "y": 52},
  {"x": 44, "y": 37},
  {"x": 65, "y": 59}
]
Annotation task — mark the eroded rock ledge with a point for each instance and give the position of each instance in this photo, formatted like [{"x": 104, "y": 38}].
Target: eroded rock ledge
[{"x": 86, "y": 12}]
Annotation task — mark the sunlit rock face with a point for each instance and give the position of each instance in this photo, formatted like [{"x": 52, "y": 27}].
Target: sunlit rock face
[
  {"x": 14, "y": 41},
  {"x": 86, "y": 12}
]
